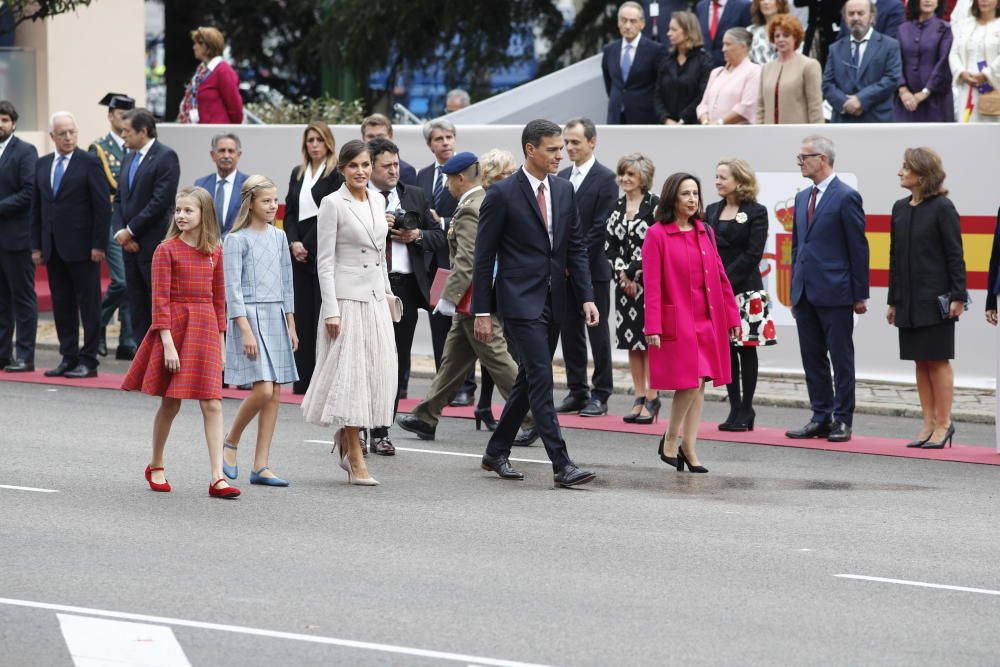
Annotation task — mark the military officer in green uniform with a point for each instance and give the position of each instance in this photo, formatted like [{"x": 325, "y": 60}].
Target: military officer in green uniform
[
  {"x": 111, "y": 150},
  {"x": 461, "y": 349}
]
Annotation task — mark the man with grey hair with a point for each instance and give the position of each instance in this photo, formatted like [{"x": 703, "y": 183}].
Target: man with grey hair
[
  {"x": 829, "y": 287},
  {"x": 456, "y": 99},
  {"x": 70, "y": 231},
  {"x": 227, "y": 181},
  {"x": 863, "y": 70},
  {"x": 630, "y": 67}
]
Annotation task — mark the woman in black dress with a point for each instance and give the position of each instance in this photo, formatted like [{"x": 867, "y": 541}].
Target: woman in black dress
[
  {"x": 740, "y": 226},
  {"x": 314, "y": 179},
  {"x": 927, "y": 288},
  {"x": 684, "y": 72},
  {"x": 626, "y": 231}
]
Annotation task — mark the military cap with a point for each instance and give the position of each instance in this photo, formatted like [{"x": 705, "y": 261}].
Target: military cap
[
  {"x": 117, "y": 101},
  {"x": 459, "y": 163}
]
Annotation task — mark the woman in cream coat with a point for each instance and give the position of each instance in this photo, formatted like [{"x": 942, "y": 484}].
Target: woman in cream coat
[
  {"x": 977, "y": 40},
  {"x": 791, "y": 87},
  {"x": 354, "y": 384}
]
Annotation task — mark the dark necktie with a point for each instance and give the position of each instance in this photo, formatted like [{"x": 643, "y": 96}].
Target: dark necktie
[
  {"x": 58, "y": 175},
  {"x": 220, "y": 203},
  {"x": 812, "y": 206},
  {"x": 438, "y": 190},
  {"x": 388, "y": 244}
]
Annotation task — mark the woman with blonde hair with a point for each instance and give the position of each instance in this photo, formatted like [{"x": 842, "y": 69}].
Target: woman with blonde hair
[
  {"x": 740, "y": 226},
  {"x": 310, "y": 182},
  {"x": 261, "y": 336}
]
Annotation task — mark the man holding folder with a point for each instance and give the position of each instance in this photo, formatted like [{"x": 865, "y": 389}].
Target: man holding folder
[{"x": 461, "y": 348}]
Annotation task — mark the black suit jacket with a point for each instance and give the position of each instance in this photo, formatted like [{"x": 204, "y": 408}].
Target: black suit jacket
[
  {"x": 636, "y": 94},
  {"x": 662, "y": 22},
  {"x": 77, "y": 218},
  {"x": 595, "y": 198},
  {"x": 529, "y": 268},
  {"x": 736, "y": 14},
  {"x": 425, "y": 180},
  {"x": 407, "y": 174},
  {"x": 421, "y": 254},
  {"x": 17, "y": 185},
  {"x": 740, "y": 244},
  {"x": 993, "y": 280},
  {"x": 148, "y": 205},
  {"x": 304, "y": 231}
]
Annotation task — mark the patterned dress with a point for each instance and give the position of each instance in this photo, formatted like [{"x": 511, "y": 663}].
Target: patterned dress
[
  {"x": 189, "y": 299},
  {"x": 259, "y": 287},
  {"x": 623, "y": 245}
]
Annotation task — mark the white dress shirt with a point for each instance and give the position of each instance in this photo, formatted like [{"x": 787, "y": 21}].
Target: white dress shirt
[
  {"x": 118, "y": 140},
  {"x": 55, "y": 161},
  {"x": 308, "y": 208},
  {"x": 635, "y": 46},
  {"x": 580, "y": 172},
  {"x": 400, "y": 254},
  {"x": 822, "y": 186},
  {"x": 3, "y": 145},
  {"x": 534, "y": 182}
]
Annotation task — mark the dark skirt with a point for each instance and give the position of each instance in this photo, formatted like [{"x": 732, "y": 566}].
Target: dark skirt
[{"x": 933, "y": 343}]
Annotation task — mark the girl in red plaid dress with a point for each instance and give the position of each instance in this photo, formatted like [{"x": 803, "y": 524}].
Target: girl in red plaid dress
[{"x": 182, "y": 354}]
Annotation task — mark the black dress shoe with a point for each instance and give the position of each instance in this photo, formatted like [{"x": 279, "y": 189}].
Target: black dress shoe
[
  {"x": 573, "y": 476},
  {"x": 413, "y": 424},
  {"x": 526, "y": 438},
  {"x": 383, "y": 447},
  {"x": 4, "y": 362},
  {"x": 102, "y": 343},
  {"x": 81, "y": 371},
  {"x": 572, "y": 404},
  {"x": 462, "y": 399},
  {"x": 501, "y": 466},
  {"x": 124, "y": 353},
  {"x": 595, "y": 408},
  {"x": 60, "y": 370},
  {"x": 839, "y": 432},
  {"x": 18, "y": 366},
  {"x": 810, "y": 430}
]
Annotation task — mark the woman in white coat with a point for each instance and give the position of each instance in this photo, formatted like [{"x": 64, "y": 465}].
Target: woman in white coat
[
  {"x": 354, "y": 384},
  {"x": 975, "y": 60}
]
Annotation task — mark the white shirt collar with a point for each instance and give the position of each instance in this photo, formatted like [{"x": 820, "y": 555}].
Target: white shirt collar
[
  {"x": 118, "y": 140},
  {"x": 466, "y": 195},
  {"x": 64, "y": 155},
  {"x": 145, "y": 149},
  {"x": 534, "y": 182},
  {"x": 634, "y": 42},
  {"x": 585, "y": 168},
  {"x": 3, "y": 144},
  {"x": 231, "y": 178},
  {"x": 213, "y": 63},
  {"x": 825, "y": 183},
  {"x": 867, "y": 37}
]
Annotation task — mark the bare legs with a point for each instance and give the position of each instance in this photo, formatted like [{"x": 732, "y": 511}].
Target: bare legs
[
  {"x": 264, "y": 400},
  {"x": 936, "y": 387},
  {"x": 350, "y": 443},
  {"x": 211, "y": 411},
  {"x": 169, "y": 407},
  {"x": 685, "y": 418},
  {"x": 638, "y": 364}
]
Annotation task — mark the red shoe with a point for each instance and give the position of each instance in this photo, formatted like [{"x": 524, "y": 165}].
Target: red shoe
[
  {"x": 165, "y": 487},
  {"x": 228, "y": 492}
]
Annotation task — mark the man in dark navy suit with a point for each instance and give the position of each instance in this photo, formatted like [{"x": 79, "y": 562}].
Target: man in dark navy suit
[
  {"x": 718, "y": 16},
  {"x": 227, "y": 181},
  {"x": 596, "y": 193},
  {"x": 829, "y": 286},
  {"x": 143, "y": 207},
  {"x": 18, "y": 303},
  {"x": 529, "y": 229},
  {"x": 630, "y": 67},
  {"x": 71, "y": 216}
]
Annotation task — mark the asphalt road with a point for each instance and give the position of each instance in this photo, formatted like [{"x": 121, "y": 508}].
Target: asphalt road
[{"x": 644, "y": 567}]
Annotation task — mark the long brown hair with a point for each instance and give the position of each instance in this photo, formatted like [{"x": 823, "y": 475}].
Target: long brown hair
[
  {"x": 208, "y": 231},
  {"x": 324, "y": 131},
  {"x": 253, "y": 186},
  {"x": 666, "y": 210},
  {"x": 926, "y": 165}
]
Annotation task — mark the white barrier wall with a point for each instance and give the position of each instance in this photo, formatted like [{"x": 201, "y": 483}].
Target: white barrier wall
[{"x": 868, "y": 156}]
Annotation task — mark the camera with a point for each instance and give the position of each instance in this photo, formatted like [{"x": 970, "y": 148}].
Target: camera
[{"x": 405, "y": 220}]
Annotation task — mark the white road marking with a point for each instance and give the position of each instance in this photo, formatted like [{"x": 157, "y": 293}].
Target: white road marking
[
  {"x": 274, "y": 634},
  {"x": 97, "y": 642},
  {"x": 921, "y": 584},
  {"x": 437, "y": 451},
  {"x": 27, "y": 488}
]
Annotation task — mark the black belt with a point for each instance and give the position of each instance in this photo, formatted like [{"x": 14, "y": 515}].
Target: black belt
[{"x": 401, "y": 276}]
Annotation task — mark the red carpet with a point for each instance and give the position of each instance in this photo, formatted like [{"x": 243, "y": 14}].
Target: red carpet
[{"x": 775, "y": 437}]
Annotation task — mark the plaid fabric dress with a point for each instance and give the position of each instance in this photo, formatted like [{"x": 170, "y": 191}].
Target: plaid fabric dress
[
  {"x": 189, "y": 298},
  {"x": 259, "y": 287}
]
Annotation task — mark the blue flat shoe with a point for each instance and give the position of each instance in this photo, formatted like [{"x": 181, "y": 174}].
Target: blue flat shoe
[
  {"x": 232, "y": 472},
  {"x": 257, "y": 478}
]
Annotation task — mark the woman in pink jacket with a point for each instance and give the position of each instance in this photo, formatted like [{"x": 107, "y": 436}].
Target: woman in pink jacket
[{"x": 691, "y": 314}]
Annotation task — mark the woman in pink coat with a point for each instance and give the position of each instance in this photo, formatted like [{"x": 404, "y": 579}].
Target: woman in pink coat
[{"x": 691, "y": 314}]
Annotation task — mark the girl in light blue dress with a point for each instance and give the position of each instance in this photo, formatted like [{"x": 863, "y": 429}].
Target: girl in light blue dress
[{"x": 260, "y": 338}]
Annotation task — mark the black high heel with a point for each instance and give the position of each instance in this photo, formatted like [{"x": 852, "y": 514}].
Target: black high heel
[
  {"x": 913, "y": 444},
  {"x": 485, "y": 416},
  {"x": 631, "y": 417},
  {"x": 742, "y": 422},
  {"x": 946, "y": 440},
  {"x": 681, "y": 460},
  {"x": 653, "y": 407},
  {"x": 666, "y": 459}
]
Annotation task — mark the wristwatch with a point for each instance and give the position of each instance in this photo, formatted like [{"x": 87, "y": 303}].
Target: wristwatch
[{"x": 926, "y": 92}]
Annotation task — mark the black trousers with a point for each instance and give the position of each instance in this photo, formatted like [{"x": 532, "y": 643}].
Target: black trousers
[
  {"x": 308, "y": 300},
  {"x": 18, "y": 306},
  {"x": 536, "y": 344},
  {"x": 139, "y": 284},
  {"x": 76, "y": 297},
  {"x": 404, "y": 285},
  {"x": 826, "y": 335},
  {"x": 574, "y": 345}
]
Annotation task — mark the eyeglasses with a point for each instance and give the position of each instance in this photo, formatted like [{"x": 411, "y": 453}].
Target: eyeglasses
[
  {"x": 801, "y": 157},
  {"x": 65, "y": 134}
]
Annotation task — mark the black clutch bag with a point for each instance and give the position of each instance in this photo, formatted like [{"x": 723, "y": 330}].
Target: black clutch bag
[{"x": 944, "y": 305}]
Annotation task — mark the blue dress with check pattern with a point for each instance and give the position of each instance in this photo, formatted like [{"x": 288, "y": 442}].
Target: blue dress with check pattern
[{"x": 258, "y": 271}]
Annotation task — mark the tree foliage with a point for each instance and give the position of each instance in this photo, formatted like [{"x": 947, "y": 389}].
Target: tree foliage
[{"x": 36, "y": 10}]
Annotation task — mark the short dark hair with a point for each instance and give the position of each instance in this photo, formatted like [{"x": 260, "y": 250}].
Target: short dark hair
[
  {"x": 381, "y": 145},
  {"x": 913, "y": 8},
  {"x": 142, "y": 119},
  {"x": 666, "y": 209},
  {"x": 589, "y": 129},
  {"x": 535, "y": 130},
  {"x": 7, "y": 109},
  {"x": 351, "y": 150}
]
